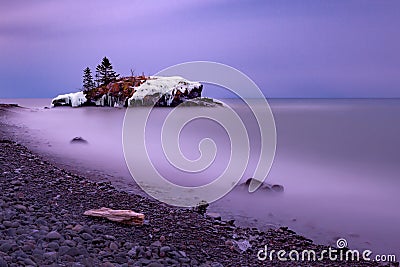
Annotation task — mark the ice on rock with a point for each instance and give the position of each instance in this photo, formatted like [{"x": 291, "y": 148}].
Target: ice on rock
[
  {"x": 71, "y": 99},
  {"x": 156, "y": 87}
]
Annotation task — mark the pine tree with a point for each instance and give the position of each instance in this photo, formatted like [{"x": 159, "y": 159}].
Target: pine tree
[
  {"x": 105, "y": 73},
  {"x": 88, "y": 82}
]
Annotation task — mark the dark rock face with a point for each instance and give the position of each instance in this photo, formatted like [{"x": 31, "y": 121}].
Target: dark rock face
[
  {"x": 165, "y": 92},
  {"x": 115, "y": 93},
  {"x": 119, "y": 92},
  {"x": 61, "y": 103},
  {"x": 179, "y": 97}
]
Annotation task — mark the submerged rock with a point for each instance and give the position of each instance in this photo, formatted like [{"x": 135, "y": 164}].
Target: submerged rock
[
  {"x": 202, "y": 102},
  {"x": 253, "y": 183},
  {"x": 78, "y": 139},
  {"x": 276, "y": 188}
]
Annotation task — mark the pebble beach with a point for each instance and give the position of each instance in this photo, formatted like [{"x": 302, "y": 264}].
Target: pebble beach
[{"x": 42, "y": 224}]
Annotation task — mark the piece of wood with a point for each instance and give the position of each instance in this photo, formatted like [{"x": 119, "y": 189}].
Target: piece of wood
[{"x": 121, "y": 216}]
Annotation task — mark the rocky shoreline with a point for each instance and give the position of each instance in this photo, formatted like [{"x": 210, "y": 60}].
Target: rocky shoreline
[{"x": 42, "y": 224}]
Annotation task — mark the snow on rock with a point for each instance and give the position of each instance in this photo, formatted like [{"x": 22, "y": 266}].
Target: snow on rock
[
  {"x": 165, "y": 91},
  {"x": 72, "y": 99}
]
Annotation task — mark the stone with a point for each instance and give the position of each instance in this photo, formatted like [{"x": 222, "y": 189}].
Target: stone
[
  {"x": 28, "y": 246},
  {"x": 113, "y": 246},
  {"x": 132, "y": 252},
  {"x": 63, "y": 250},
  {"x": 73, "y": 252},
  {"x": 53, "y": 246},
  {"x": 70, "y": 243},
  {"x": 7, "y": 224},
  {"x": 37, "y": 253},
  {"x": 77, "y": 228},
  {"x": 184, "y": 260},
  {"x": 98, "y": 240},
  {"x": 214, "y": 215},
  {"x": 229, "y": 243},
  {"x": 20, "y": 207},
  {"x": 108, "y": 264},
  {"x": 87, "y": 236},
  {"x": 5, "y": 247},
  {"x": 51, "y": 256},
  {"x": 165, "y": 249},
  {"x": 128, "y": 245},
  {"x": 121, "y": 259},
  {"x": 183, "y": 253},
  {"x": 201, "y": 207},
  {"x": 3, "y": 263},
  {"x": 53, "y": 235},
  {"x": 110, "y": 237},
  {"x": 28, "y": 261},
  {"x": 156, "y": 244}
]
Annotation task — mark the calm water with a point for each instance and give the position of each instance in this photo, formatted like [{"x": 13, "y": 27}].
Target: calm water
[{"x": 337, "y": 159}]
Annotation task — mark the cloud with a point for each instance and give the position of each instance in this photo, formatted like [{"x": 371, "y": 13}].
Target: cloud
[{"x": 290, "y": 49}]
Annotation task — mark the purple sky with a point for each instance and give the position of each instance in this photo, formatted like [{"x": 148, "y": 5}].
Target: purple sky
[{"x": 289, "y": 48}]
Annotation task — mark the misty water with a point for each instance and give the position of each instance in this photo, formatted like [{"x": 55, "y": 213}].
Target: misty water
[{"x": 338, "y": 161}]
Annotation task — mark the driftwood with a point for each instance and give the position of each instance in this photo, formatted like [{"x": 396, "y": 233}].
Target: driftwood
[{"x": 121, "y": 216}]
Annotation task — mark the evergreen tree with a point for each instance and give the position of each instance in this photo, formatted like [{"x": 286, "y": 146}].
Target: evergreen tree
[
  {"x": 88, "y": 82},
  {"x": 105, "y": 73}
]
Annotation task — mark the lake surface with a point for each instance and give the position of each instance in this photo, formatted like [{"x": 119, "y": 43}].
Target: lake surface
[{"x": 338, "y": 160}]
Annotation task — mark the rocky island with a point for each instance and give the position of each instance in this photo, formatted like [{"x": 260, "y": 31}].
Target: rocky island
[{"x": 114, "y": 91}]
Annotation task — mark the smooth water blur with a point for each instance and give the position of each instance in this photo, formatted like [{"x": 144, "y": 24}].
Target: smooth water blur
[{"x": 337, "y": 159}]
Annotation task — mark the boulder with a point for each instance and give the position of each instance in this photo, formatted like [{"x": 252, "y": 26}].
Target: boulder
[{"x": 253, "y": 183}]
